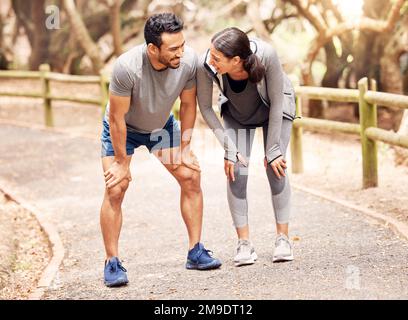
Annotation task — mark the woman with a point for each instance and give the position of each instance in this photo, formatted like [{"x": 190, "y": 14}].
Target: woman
[{"x": 254, "y": 92}]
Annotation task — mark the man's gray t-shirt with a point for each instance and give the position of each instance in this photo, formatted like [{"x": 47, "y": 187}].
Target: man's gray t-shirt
[{"x": 152, "y": 92}]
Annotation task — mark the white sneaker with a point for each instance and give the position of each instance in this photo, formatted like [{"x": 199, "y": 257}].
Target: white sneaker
[
  {"x": 245, "y": 253},
  {"x": 283, "y": 249}
]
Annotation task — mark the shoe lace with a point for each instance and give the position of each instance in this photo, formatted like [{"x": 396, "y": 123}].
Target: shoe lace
[
  {"x": 208, "y": 252},
  {"x": 241, "y": 245},
  {"x": 282, "y": 241},
  {"x": 114, "y": 267},
  {"x": 121, "y": 267}
]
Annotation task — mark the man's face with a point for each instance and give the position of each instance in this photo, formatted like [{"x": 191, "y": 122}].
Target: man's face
[{"x": 172, "y": 49}]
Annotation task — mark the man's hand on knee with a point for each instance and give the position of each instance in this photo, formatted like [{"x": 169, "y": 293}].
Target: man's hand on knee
[
  {"x": 116, "y": 173},
  {"x": 189, "y": 159}
]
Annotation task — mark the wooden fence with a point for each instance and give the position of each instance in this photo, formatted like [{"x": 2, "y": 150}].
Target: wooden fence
[
  {"x": 367, "y": 129},
  {"x": 45, "y": 76},
  {"x": 367, "y": 100}
]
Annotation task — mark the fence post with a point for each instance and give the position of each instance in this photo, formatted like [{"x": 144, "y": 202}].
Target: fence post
[
  {"x": 104, "y": 91},
  {"x": 49, "y": 120},
  {"x": 368, "y": 118},
  {"x": 296, "y": 149}
]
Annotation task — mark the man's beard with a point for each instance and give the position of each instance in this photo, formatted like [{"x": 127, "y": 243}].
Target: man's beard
[{"x": 168, "y": 64}]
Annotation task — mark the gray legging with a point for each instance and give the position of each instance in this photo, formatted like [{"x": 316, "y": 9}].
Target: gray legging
[{"x": 243, "y": 137}]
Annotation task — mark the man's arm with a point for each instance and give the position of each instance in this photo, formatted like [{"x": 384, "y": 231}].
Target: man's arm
[
  {"x": 119, "y": 106},
  {"x": 188, "y": 114},
  {"x": 188, "y": 111}
]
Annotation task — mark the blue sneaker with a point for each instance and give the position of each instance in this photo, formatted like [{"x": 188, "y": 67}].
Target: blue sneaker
[
  {"x": 199, "y": 258},
  {"x": 115, "y": 273}
]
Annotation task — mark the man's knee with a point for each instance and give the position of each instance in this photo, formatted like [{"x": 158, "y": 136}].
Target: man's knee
[
  {"x": 116, "y": 193},
  {"x": 189, "y": 179}
]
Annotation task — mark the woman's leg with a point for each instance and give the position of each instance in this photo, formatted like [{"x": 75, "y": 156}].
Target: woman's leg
[
  {"x": 280, "y": 188},
  {"x": 237, "y": 190},
  {"x": 281, "y": 195}
]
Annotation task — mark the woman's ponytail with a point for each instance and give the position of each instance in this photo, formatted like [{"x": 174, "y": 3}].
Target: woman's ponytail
[{"x": 254, "y": 67}]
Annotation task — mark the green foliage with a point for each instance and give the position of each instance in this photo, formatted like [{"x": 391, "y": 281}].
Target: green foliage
[
  {"x": 176, "y": 109},
  {"x": 404, "y": 8}
]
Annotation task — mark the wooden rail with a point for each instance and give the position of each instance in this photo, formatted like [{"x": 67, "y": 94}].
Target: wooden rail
[
  {"x": 367, "y": 129},
  {"x": 367, "y": 100},
  {"x": 44, "y": 75}
]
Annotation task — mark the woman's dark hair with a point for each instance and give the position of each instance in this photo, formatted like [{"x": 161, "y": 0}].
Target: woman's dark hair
[
  {"x": 234, "y": 42},
  {"x": 159, "y": 23}
]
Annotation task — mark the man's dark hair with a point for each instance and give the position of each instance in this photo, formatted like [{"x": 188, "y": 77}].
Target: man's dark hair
[{"x": 159, "y": 23}]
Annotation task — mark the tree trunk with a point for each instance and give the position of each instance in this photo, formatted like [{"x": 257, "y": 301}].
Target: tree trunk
[
  {"x": 391, "y": 73},
  {"x": 367, "y": 40},
  {"x": 405, "y": 80},
  {"x": 3, "y": 59},
  {"x": 82, "y": 35},
  {"x": 401, "y": 154},
  {"x": 39, "y": 51},
  {"x": 116, "y": 27},
  {"x": 22, "y": 9},
  {"x": 362, "y": 61},
  {"x": 68, "y": 60},
  {"x": 31, "y": 15},
  {"x": 335, "y": 66}
]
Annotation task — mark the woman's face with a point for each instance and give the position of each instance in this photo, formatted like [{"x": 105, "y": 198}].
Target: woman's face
[{"x": 220, "y": 62}]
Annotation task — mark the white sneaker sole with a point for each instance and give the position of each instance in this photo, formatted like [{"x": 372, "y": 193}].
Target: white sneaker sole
[
  {"x": 282, "y": 258},
  {"x": 252, "y": 260}
]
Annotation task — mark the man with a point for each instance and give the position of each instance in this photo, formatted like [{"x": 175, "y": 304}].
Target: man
[{"x": 145, "y": 83}]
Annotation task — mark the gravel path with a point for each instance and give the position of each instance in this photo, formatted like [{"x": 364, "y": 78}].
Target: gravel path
[
  {"x": 24, "y": 251},
  {"x": 339, "y": 253}
]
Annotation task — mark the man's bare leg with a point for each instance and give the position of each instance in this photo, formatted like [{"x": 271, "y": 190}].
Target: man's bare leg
[
  {"x": 111, "y": 211},
  {"x": 191, "y": 197}
]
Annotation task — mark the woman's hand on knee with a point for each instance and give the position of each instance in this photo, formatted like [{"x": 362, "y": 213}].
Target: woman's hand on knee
[
  {"x": 229, "y": 166},
  {"x": 278, "y": 166},
  {"x": 229, "y": 170},
  {"x": 242, "y": 160}
]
